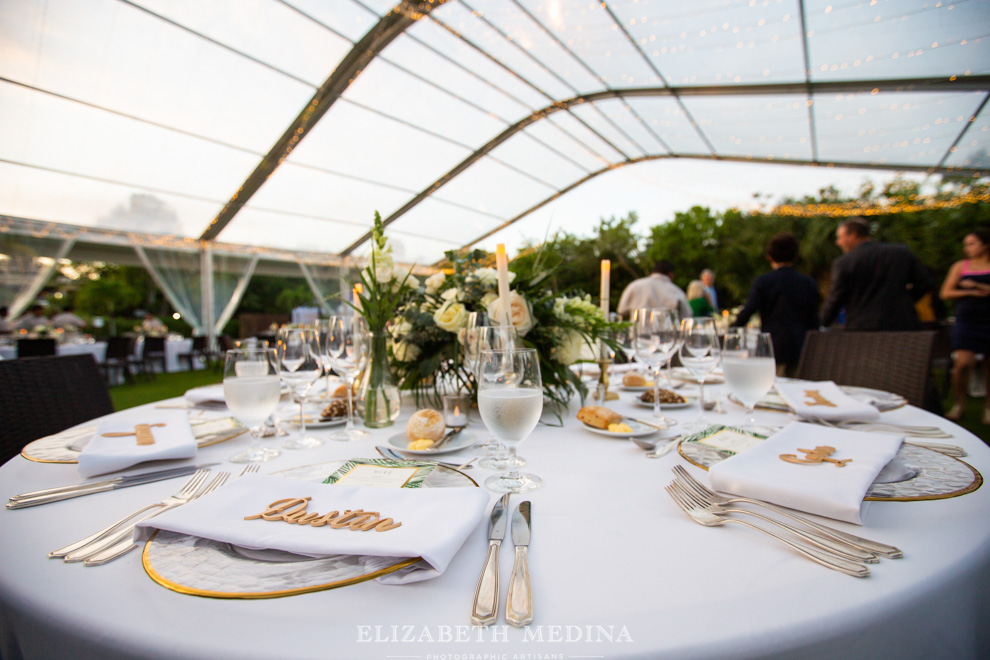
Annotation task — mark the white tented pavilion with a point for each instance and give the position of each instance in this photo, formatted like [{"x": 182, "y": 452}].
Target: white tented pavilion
[{"x": 210, "y": 140}]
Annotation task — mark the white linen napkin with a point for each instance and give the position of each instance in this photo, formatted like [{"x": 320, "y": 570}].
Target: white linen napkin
[
  {"x": 206, "y": 394},
  {"x": 822, "y": 488},
  {"x": 816, "y": 405},
  {"x": 172, "y": 441},
  {"x": 435, "y": 521}
]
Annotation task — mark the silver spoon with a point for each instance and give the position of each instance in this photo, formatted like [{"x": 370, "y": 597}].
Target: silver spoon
[{"x": 662, "y": 451}]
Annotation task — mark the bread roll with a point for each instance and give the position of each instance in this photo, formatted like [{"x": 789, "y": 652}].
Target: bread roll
[
  {"x": 633, "y": 379},
  {"x": 426, "y": 424},
  {"x": 598, "y": 416}
]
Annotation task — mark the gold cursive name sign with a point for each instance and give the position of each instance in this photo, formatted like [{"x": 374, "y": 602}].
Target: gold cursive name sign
[
  {"x": 817, "y": 399},
  {"x": 817, "y": 455},
  {"x": 293, "y": 511}
]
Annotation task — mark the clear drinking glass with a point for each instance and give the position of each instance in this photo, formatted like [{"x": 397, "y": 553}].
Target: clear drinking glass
[
  {"x": 348, "y": 344},
  {"x": 655, "y": 337},
  {"x": 300, "y": 365},
  {"x": 251, "y": 388},
  {"x": 510, "y": 398},
  {"x": 476, "y": 341},
  {"x": 750, "y": 368},
  {"x": 700, "y": 354},
  {"x": 322, "y": 329}
]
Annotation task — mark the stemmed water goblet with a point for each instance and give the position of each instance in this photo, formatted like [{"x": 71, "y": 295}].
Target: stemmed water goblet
[
  {"x": 477, "y": 340},
  {"x": 750, "y": 369},
  {"x": 252, "y": 389},
  {"x": 347, "y": 344},
  {"x": 300, "y": 365},
  {"x": 655, "y": 337},
  {"x": 700, "y": 354},
  {"x": 510, "y": 398},
  {"x": 322, "y": 329}
]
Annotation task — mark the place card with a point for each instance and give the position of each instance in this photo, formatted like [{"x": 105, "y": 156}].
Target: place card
[
  {"x": 728, "y": 440},
  {"x": 381, "y": 473}
]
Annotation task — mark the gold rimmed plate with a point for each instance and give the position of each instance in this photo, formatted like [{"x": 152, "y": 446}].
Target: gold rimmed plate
[{"x": 202, "y": 567}]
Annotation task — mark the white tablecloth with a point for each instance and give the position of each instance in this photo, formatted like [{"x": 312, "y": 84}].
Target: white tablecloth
[
  {"x": 97, "y": 349},
  {"x": 618, "y": 572}
]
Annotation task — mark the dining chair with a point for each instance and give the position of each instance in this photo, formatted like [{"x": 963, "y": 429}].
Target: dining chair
[
  {"x": 118, "y": 360},
  {"x": 153, "y": 351},
  {"x": 898, "y": 362},
  {"x": 35, "y": 347},
  {"x": 44, "y": 395},
  {"x": 199, "y": 349}
]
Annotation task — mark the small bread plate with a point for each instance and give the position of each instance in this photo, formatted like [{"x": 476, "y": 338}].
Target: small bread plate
[
  {"x": 638, "y": 430},
  {"x": 636, "y": 388},
  {"x": 681, "y": 373},
  {"x": 462, "y": 440},
  {"x": 314, "y": 422},
  {"x": 687, "y": 403}
]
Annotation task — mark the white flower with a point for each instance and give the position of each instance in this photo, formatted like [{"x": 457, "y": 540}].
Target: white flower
[
  {"x": 384, "y": 267},
  {"x": 405, "y": 351},
  {"x": 573, "y": 347},
  {"x": 451, "y": 294},
  {"x": 451, "y": 317},
  {"x": 486, "y": 300},
  {"x": 575, "y": 310},
  {"x": 488, "y": 277},
  {"x": 401, "y": 327},
  {"x": 519, "y": 312},
  {"x": 435, "y": 281}
]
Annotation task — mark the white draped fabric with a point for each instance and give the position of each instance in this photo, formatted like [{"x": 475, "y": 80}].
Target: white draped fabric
[
  {"x": 26, "y": 264},
  {"x": 325, "y": 282}
]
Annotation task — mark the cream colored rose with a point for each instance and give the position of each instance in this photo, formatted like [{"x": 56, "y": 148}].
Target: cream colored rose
[
  {"x": 486, "y": 300},
  {"x": 521, "y": 315},
  {"x": 573, "y": 347},
  {"x": 451, "y": 317},
  {"x": 435, "y": 281},
  {"x": 451, "y": 294},
  {"x": 405, "y": 351}
]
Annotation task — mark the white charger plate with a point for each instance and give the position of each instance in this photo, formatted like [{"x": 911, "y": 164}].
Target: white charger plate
[
  {"x": 638, "y": 430},
  {"x": 462, "y": 440},
  {"x": 314, "y": 422}
]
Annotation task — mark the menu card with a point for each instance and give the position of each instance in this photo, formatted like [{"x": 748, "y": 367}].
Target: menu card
[{"x": 381, "y": 473}]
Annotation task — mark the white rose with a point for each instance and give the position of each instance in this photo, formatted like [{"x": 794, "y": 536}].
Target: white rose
[
  {"x": 402, "y": 328},
  {"x": 487, "y": 277},
  {"x": 451, "y": 294},
  {"x": 405, "y": 351},
  {"x": 451, "y": 317},
  {"x": 486, "y": 300},
  {"x": 519, "y": 312},
  {"x": 572, "y": 348},
  {"x": 435, "y": 281}
]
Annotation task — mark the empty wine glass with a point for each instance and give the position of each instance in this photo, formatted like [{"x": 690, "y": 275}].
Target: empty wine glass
[
  {"x": 510, "y": 398},
  {"x": 252, "y": 389},
  {"x": 300, "y": 365},
  {"x": 322, "y": 329},
  {"x": 700, "y": 354},
  {"x": 347, "y": 344},
  {"x": 750, "y": 368},
  {"x": 655, "y": 337}
]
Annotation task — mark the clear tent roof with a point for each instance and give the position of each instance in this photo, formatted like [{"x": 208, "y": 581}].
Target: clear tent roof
[{"x": 152, "y": 115}]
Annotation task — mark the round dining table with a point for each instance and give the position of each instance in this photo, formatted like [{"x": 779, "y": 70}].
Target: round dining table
[{"x": 617, "y": 569}]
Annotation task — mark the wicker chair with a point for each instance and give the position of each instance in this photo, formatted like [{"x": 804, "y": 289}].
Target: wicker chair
[
  {"x": 35, "y": 347},
  {"x": 119, "y": 358},
  {"x": 200, "y": 349},
  {"x": 898, "y": 362},
  {"x": 45, "y": 395},
  {"x": 152, "y": 351}
]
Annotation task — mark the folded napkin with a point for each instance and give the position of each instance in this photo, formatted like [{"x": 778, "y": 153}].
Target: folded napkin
[
  {"x": 435, "y": 521},
  {"x": 592, "y": 369},
  {"x": 206, "y": 394},
  {"x": 172, "y": 441},
  {"x": 822, "y": 488},
  {"x": 824, "y": 400}
]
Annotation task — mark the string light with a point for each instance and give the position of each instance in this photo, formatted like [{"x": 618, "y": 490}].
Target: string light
[{"x": 914, "y": 204}]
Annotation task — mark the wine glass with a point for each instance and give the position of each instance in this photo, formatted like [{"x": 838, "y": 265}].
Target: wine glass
[
  {"x": 322, "y": 329},
  {"x": 348, "y": 344},
  {"x": 252, "y": 389},
  {"x": 655, "y": 337},
  {"x": 477, "y": 340},
  {"x": 300, "y": 365},
  {"x": 699, "y": 353},
  {"x": 510, "y": 398},
  {"x": 750, "y": 368}
]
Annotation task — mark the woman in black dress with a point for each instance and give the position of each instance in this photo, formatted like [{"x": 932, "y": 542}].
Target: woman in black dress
[{"x": 968, "y": 283}]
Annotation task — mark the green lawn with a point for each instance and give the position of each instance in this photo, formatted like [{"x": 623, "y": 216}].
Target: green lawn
[{"x": 161, "y": 386}]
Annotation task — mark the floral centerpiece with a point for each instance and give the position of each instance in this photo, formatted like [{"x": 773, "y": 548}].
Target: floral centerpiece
[
  {"x": 428, "y": 332},
  {"x": 384, "y": 286}
]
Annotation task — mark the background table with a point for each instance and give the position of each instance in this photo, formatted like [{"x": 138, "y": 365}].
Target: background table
[
  {"x": 97, "y": 349},
  {"x": 618, "y": 572}
]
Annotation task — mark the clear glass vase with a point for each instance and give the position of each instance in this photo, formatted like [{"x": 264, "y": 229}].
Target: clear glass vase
[{"x": 378, "y": 397}]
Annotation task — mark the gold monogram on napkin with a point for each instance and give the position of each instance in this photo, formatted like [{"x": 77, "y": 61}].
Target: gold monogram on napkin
[
  {"x": 819, "y": 454},
  {"x": 293, "y": 511},
  {"x": 817, "y": 399},
  {"x": 142, "y": 431}
]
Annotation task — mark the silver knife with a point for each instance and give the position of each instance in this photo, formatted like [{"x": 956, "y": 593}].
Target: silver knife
[
  {"x": 485, "y": 609},
  {"x": 442, "y": 441},
  {"x": 60, "y": 493},
  {"x": 519, "y": 602},
  {"x": 389, "y": 453}
]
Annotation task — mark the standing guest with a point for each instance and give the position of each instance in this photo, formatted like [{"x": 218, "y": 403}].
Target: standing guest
[
  {"x": 708, "y": 281},
  {"x": 656, "y": 290},
  {"x": 786, "y": 301},
  {"x": 698, "y": 299},
  {"x": 6, "y": 327},
  {"x": 34, "y": 318},
  {"x": 968, "y": 283},
  {"x": 876, "y": 283},
  {"x": 68, "y": 320}
]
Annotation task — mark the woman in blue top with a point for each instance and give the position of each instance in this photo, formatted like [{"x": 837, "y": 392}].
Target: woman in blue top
[{"x": 968, "y": 283}]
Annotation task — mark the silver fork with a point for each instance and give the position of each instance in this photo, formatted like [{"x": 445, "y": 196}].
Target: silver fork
[
  {"x": 883, "y": 427},
  {"x": 182, "y": 495},
  {"x": 702, "y": 517},
  {"x": 712, "y": 497},
  {"x": 842, "y": 549},
  {"x": 125, "y": 542}
]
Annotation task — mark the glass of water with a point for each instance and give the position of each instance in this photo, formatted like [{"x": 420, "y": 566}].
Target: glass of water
[
  {"x": 251, "y": 388},
  {"x": 750, "y": 369},
  {"x": 510, "y": 398}
]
